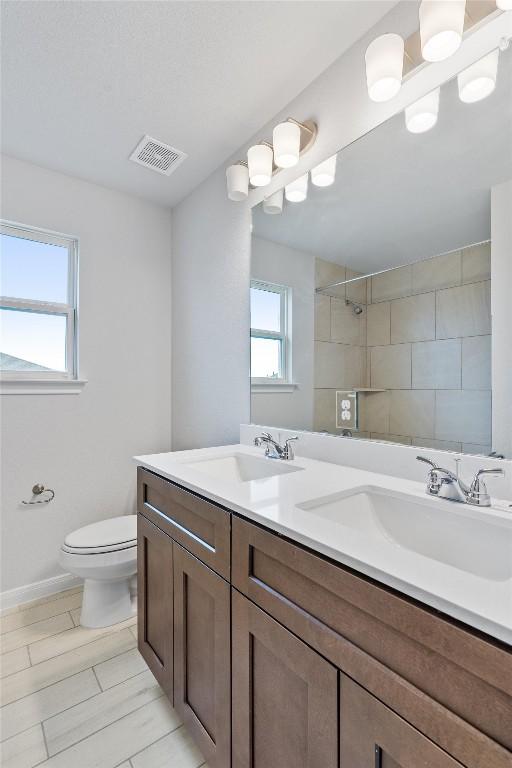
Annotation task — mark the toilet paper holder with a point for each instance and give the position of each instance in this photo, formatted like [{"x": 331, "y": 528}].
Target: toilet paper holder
[{"x": 37, "y": 490}]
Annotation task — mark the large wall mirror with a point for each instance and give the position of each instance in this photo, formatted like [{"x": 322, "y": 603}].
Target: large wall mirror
[{"x": 371, "y": 299}]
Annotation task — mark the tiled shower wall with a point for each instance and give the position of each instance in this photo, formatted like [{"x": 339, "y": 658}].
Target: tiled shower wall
[{"x": 424, "y": 338}]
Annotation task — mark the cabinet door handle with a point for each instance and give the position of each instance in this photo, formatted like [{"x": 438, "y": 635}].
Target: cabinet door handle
[{"x": 378, "y": 756}]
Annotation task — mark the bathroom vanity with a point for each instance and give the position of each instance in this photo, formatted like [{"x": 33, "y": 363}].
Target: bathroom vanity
[{"x": 283, "y": 645}]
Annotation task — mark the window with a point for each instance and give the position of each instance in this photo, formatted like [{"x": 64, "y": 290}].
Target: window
[
  {"x": 269, "y": 320},
  {"x": 38, "y": 273}
]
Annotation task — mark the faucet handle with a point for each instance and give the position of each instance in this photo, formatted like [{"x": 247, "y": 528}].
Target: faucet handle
[
  {"x": 478, "y": 494},
  {"x": 288, "y": 452},
  {"x": 427, "y": 461}
]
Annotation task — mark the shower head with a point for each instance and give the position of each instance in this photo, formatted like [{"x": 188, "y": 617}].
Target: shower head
[{"x": 356, "y": 308}]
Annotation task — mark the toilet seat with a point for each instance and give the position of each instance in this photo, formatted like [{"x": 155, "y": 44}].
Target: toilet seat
[{"x": 105, "y": 536}]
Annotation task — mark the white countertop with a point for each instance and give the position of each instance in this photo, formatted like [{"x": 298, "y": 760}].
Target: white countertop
[{"x": 483, "y": 603}]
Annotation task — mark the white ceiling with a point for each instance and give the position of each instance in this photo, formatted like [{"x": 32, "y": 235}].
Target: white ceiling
[
  {"x": 400, "y": 197},
  {"x": 83, "y": 81}
]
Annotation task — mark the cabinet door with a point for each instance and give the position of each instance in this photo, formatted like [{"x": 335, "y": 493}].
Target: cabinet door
[
  {"x": 202, "y": 684},
  {"x": 373, "y": 736},
  {"x": 285, "y": 696},
  {"x": 155, "y": 601}
]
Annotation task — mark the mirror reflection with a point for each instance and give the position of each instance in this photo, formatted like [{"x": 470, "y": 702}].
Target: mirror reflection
[{"x": 371, "y": 297}]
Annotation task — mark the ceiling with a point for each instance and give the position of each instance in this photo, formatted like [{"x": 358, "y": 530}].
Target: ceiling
[
  {"x": 83, "y": 81},
  {"x": 400, "y": 197}
]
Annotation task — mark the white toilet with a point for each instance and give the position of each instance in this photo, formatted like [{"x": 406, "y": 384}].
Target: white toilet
[{"x": 104, "y": 554}]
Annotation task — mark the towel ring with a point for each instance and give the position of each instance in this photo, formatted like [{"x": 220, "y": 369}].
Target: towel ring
[{"x": 37, "y": 490}]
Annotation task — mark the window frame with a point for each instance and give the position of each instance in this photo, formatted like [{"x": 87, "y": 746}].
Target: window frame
[
  {"x": 69, "y": 310},
  {"x": 282, "y": 335}
]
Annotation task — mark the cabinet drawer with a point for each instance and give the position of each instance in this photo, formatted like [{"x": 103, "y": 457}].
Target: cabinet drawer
[
  {"x": 201, "y": 527},
  {"x": 451, "y": 684},
  {"x": 372, "y": 736}
]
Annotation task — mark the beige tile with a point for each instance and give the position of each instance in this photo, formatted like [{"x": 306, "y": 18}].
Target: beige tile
[
  {"x": 413, "y": 318},
  {"x": 43, "y": 704},
  {"x": 386, "y": 438},
  {"x": 346, "y": 326},
  {"x": 438, "y": 445},
  {"x": 412, "y": 412},
  {"x": 24, "y": 750},
  {"x": 436, "y": 364},
  {"x": 324, "y": 419},
  {"x": 14, "y": 661},
  {"x": 41, "y": 600},
  {"x": 463, "y": 415},
  {"x": 40, "y": 676},
  {"x": 75, "y": 615},
  {"x": 356, "y": 291},
  {"x": 339, "y": 366},
  {"x": 378, "y": 324},
  {"x": 392, "y": 284},
  {"x": 175, "y": 749},
  {"x": 476, "y": 263},
  {"x": 134, "y": 631},
  {"x": 391, "y": 367},
  {"x": 476, "y": 362},
  {"x": 40, "y": 612},
  {"x": 85, "y": 718},
  {"x": 464, "y": 311},
  {"x": 476, "y": 450},
  {"x": 118, "y": 741},
  {"x": 374, "y": 412},
  {"x": 322, "y": 317},
  {"x": 327, "y": 272},
  {"x": 440, "y": 272},
  {"x": 77, "y": 636},
  {"x": 120, "y": 668},
  {"x": 35, "y": 632}
]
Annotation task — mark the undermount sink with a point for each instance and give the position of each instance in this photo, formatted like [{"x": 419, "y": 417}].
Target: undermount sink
[
  {"x": 241, "y": 467},
  {"x": 447, "y": 532}
]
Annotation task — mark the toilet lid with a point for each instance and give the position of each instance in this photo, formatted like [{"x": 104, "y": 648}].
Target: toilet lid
[{"x": 112, "y": 533}]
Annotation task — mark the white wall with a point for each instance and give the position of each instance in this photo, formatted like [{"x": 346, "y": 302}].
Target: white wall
[
  {"x": 501, "y": 307},
  {"x": 275, "y": 263},
  {"x": 81, "y": 445}
]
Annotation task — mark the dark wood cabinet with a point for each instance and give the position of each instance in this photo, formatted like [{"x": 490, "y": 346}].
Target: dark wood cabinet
[
  {"x": 155, "y": 601},
  {"x": 202, "y": 655},
  {"x": 285, "y": 696},
  {"x": 372, "y": 736}
]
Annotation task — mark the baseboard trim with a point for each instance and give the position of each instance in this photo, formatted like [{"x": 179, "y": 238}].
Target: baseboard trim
[{"x": 14, "y": 597}]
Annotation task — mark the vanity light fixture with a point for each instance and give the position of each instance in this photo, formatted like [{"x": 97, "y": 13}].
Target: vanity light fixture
[
  {"x": 274, "y": 203},
  {"x": 237, "y": 178},
  {"x": 297, "y": 191},
  {"x": 384, "y": 67},
  {"x": 260, "y": 160},
  {"x": 479, "y": 80},
  {"x": 324, "y": 173},
  {"x": 441, "y": 28},
  {"x": 422, "y": 115},
  {"x": 286, "y": 141}
]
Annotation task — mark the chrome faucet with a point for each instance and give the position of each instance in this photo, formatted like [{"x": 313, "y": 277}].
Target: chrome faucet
[
  {"x": 446, "y": 484},
  {"x": 275, "y": 451}
]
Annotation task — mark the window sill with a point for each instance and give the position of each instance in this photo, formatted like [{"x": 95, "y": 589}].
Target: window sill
[
  {"x": 41, "y": 386},
  {"x": 281, "y": 387}
]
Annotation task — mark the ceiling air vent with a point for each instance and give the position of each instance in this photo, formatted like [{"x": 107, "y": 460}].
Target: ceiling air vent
[{"x": 157, "y": 156}]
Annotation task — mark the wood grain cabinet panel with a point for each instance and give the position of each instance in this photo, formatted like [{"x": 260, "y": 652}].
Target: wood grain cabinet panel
[
  {"x": 285, "y": 696},
  {"x": 372, "y": 736},
  {"x": 155, "y": 601},
  {"x": 199, "y": 526},
  {"x": 202, "y": 678}
]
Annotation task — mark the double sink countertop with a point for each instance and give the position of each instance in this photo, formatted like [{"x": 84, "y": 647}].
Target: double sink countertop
[{"x": 453, "y": 557}]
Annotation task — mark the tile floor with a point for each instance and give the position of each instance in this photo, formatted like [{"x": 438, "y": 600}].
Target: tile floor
[{"x": 82, "y": 698}]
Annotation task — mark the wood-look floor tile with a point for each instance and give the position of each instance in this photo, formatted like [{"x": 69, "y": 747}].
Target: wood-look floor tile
[
  {"x": 39, "y": 612},
  {"x": 41, "y": 600},
  {"x": 32, "y": 709},
  {"x": 175, "y": 749},
  {"x": 35, "y": 632},
  {"x": 77, "y": 636},
  {"x": 120, "y": 668},
  {"x": 75, "y": 615},
  {"x": 134, "y": 631},
  {"x": 24, "y": 750},
  {"x": 82, "y": 720},
  {"x": 14, "y": 661},
  {"x": 118, "y": 741},
  {"x": 40, "y": 676}
]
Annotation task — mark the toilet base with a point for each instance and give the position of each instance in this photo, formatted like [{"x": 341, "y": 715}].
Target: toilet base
[{"x": 105, "y": 603}]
